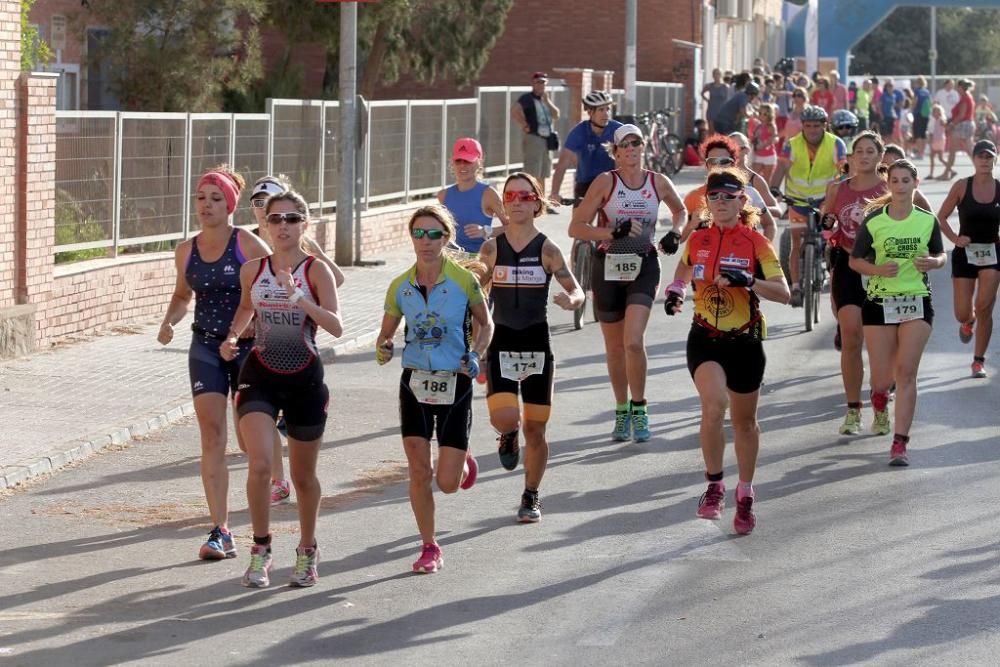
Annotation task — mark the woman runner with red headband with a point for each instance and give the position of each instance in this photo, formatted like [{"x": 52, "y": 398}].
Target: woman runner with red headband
[{"x": 208, "y": 267}]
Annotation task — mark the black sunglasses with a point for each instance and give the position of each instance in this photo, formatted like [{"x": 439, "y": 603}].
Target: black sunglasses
[
  {"x": 432, "y": 234},
  {"x": 634, "y": 143},
  {"x": 290, "y": 218}
]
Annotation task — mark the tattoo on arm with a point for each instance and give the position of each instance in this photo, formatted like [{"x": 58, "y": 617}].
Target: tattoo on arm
[{"x": 563, "y": 273}]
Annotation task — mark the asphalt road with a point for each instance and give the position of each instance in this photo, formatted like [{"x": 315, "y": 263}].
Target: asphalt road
[{"x": 852, "y": 562}]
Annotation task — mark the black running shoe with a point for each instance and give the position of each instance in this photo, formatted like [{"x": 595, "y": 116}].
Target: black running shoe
[{"x": 509, "y": 450}]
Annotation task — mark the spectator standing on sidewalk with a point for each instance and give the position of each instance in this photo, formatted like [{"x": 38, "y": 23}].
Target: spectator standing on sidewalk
[
  {"x": 732, "y": 114},
  {"x": 863, "y": 103},
  {"x": 947, "y": 97},
  {"x": 714, "y": 94},
  {"x": 208, "y": 268},
  {"x": 536, "y": 115},
  {"x": 921, "y": 116},
  {"x": 839, "y": 90},
  {"x": 961, "y": 127}
]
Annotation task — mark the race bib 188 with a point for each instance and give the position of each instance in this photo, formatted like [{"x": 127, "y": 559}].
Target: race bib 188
[{"x": 433, "y": 387}]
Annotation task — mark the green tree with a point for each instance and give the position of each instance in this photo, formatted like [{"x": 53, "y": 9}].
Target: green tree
[
  {"x": 34, "y": 51},
  {"x": 968, "y": 42},
  {"x": 177, "y": 55},
  {"x": 425, "y": 38}
]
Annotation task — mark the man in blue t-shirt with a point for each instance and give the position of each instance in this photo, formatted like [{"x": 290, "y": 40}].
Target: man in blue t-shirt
[
  {"x": 921, "y": 115},
  {"x": 584, "y": 146}
]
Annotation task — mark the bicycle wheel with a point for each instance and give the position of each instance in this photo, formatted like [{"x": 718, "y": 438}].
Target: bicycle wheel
[
  {"x": 581, "y": 270},
  {"x": 673, "y": 150},
  {"x": 808, "y": 270},
  {"x": 817, "y": 283}
]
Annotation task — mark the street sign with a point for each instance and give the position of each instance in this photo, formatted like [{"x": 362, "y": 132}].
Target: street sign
[{"x": 57, "y": 32}]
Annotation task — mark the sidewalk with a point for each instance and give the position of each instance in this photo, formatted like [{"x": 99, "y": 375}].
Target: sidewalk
[{"x": 66, "y": 403}]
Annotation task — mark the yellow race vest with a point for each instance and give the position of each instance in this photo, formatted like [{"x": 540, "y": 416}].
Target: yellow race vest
[{"x": 808, "y": 180}]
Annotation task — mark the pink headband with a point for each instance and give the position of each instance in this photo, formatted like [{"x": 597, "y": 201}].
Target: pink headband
[{"x": 224, "y": 183}]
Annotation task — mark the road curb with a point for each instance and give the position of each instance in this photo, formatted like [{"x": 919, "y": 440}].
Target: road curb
[{"x": 12, "y": 475}]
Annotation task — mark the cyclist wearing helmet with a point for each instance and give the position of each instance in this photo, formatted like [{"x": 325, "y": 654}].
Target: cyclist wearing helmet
[
  {"x": 584, "y": 146},
  {"x": 844, "y": 124},
  {"x": 809, "y": 161}
]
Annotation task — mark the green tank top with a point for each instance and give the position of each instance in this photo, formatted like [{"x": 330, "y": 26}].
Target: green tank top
[{"x": 900, "y": 241}]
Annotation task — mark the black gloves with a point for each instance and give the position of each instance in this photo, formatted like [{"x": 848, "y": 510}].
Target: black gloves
[{"x": 670, "y": 242}]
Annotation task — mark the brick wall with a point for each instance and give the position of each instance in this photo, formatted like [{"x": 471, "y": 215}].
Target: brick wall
[
  {"x": 10, "y": 68},
  {"x": 36, "y": 144}
]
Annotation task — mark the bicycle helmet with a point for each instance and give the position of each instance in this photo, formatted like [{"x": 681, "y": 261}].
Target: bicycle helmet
[
  {"x": 843, "y": 118},
  {"x": 752, "y": 89},
  {"x": 813, "y": 113},
  {"x": 596, "y": 99}
]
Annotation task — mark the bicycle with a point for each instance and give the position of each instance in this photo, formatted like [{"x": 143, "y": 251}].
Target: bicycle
[
  {"x": 581, "y": 264},
  {"x": 812, "y": 270},
  {"x": 664, "y": 150}
]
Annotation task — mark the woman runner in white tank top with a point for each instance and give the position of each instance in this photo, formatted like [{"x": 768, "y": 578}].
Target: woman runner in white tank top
[{"x": 626, "y": 268}]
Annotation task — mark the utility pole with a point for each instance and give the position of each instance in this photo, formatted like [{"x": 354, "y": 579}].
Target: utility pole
[
  {"x": 630, "y": 39},
  {"x": 346, "y": 147},
  {"x": 932, "y": 53}
]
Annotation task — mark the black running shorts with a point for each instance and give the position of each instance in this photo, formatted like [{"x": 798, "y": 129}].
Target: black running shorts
[
  {"x": 451, "y": 423},
  {"x": 611, "y": 298},
  {"x": 303, "y": 397},
  {"x": 741, "y": 357}
]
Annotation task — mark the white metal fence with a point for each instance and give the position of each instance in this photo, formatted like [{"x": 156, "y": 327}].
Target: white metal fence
[{"x": 124, "y": 180}]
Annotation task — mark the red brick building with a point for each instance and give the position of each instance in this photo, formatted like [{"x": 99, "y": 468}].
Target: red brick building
[{"x": 580, "y": 33}]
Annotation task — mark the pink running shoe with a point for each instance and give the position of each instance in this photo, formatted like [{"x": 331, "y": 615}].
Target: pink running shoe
[
  {"x": 430, "y": 560},
  {"x": 965, "y": 331},
  {"x": 745, "y": 520},
  {"x": 897, "y": 454},
  {"x": 281, "y": 492},
  {"x": 470, "y": 479},
  {"x": 713, "y": 501}
]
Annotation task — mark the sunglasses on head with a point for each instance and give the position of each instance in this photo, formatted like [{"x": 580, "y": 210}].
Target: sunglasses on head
[
  {"x": 432, "y": 234},
  {"x": 515, "y": 195},
  {"x": 290, "y": 218},
  {"x": 634, "y": 143},
  {"x": 721, "y": 161},
  {"x": 259, "y": 202},
  {"x": 721, "y": 196}
]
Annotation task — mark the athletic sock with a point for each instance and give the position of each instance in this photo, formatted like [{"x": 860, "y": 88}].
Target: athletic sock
[
  {"x": 898, "y": 437},
  {"x": 854, "y": 406},
  {"x": 744, "y": 489},
  {"x": 637, "y": 406},
  {"x": 621, "y": 407},
  {"x": 714, "y": 477},
  {"x": 262, "y": 541}
]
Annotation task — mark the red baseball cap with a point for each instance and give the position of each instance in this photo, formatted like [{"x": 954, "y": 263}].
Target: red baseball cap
[
  {"x": 467, "y": 149},
  {"x": 539, "y": 76}
]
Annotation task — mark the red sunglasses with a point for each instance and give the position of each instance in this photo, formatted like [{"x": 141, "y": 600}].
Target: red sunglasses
[{"x": 512, "y": 195}]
